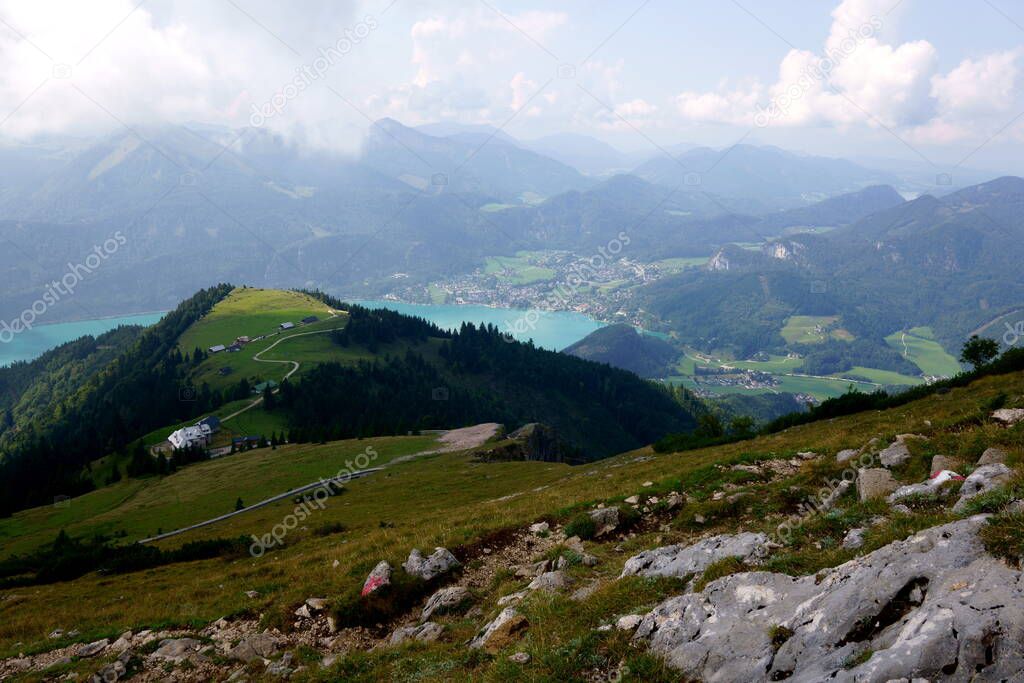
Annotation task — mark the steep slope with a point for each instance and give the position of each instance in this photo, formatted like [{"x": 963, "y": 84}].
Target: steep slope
[{"x": 621, "y": 346}]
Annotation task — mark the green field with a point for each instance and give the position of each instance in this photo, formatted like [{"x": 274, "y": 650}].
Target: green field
[
  {"x": 140, "y": 507},
  {"x": 518, "y": 269},
  {"x": 882, "y": 376},
  {"x": 813, "y": 329},
  {"x": 494, "y": 207},
  {"x": 675, "y": 265},
  {"x": 251, "y": 312},
  {"x": 918, "y": 345}
]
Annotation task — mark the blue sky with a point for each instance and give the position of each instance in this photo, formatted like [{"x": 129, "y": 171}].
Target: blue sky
[{"x": 936, "y": 80}]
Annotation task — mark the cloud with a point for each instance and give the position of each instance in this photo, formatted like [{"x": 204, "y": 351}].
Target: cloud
[{"x": 858, "y": 79}]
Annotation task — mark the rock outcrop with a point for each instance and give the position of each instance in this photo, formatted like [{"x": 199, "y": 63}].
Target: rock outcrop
[
  {"x": 982, "y": 480},
  {"x": 681, "y": 561},
  {"x": 377, "y": 579},
  {"x": 445, "y": 600},
  {"x": 502, "y": 631},
  {"x": 441, "y": 561},
  {"x": 933, "y": 606}
]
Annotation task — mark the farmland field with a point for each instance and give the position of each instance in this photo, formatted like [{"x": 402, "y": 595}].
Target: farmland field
[{"x": 918, "y": 345}]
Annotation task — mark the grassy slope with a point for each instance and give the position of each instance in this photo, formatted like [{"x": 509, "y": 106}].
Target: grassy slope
[
  {"x": 447, "y": 500},
  {"x": 252, "y": 312},
  {"x": 919, "y": 346},
  {"x": 138, "y": 507}
]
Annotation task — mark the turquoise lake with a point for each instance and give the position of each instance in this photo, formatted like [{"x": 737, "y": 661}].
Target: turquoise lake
[
  {"x": 549, "y": 329},
  {"x": 33, "y": 343}
]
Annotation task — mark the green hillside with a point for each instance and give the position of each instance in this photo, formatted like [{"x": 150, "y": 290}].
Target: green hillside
[{"x": 481, "y": 512}]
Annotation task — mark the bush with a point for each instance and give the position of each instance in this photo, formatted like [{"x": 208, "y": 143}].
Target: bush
[{"x": 581, "y": 525}]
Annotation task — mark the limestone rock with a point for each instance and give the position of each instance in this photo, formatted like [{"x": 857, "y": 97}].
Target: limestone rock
[
  {"x": 441, "y": 561},
  {"x": 254, "y": 647},
  {"x": 445, "y": 600},
  {"x": 854, "y": 539},
  {"x": 94, "y": 648},
  {"x": 427, "y": 632},
  {"x": 1008, "y": 416},
  {"x": 606, "y": 519},
  {"x": 550, "y": 582},
  {"x": 847, "y": 454},
  {"x": 943, "y": 462},
  {"x": 282, "y": 668},
  {"x": 539, "y": 528},
  {"x": 895, "y": 455},
  {"x": 687, "y": 560},
  {"x": 981, "y": 480},
  {"x": 501, "y": 632},
  {"x": 992, "y": 456},
  {"x": 933, "y": 606},
  {"x": 520, "y": 658},
  {"x": 177, "y": 649},
  {"x": 875, "y": 482},
  {"x": 629, "y": 622},
  {"x": 377, "y": 579}
]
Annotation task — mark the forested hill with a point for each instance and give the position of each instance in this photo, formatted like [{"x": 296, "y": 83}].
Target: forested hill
[
  {"x": 377, "y": 373},
  {"x": 446, "y": 379},
  {"x": 135, "y": 393}
]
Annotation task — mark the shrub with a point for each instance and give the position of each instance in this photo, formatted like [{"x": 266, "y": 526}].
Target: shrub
[{"x": 581, "y": 525}]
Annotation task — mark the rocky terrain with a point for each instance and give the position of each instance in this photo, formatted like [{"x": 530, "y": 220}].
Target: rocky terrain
[{"x": 898, "y": 563}]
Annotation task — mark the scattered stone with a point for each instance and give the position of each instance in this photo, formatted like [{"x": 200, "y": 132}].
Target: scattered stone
[
  {"x": 441, "y": 561},
  {"x": 606, "y": 519},
  {"x": 532, "y": 570},
  {"x": 122, "y": 643},
  {"x": 648, "y": 483},
  {"x": 829, "y": 501},
  {"x": 699, "y": 518},
  {"x": 550, "y": 582},
  {"x": 943, "y": 462},
  {"x": 303, "y": 612},
  {"x": 113, "y": 672},
  {"x": 807, "y": 455},
  {"x": 854, "y": 539},
  {"x": 588, "y": 560},
  {"x": 895, "y": 602},
  {"x": 177, "y": 649},
  {"x": 520, "y": 658},
  {"x": 894, "y": 455},
  {"x": 632, "y": 500},
  {"x": 982, "y": 480},
  {"x": 629, "y": 622},
  {"x": 993, "y": 456},
  {"x": 512, "y": 598},
  {"x": 847, "y": 454},
  {"x": 539, "y": 528},
  {"x": 56, "y": 633},
  {"x": 875, "y": 482},
  {"x": 501, "y": 632},
  {"x": 252, "y": 594},
  {"x": 688, "y": 560},
  {"x": 282, "y": 668},
  {"x": 901, "y": 508},
  {"x": 316, "y": 604},
  {"x": 378, "y": 578},
  {"x": 93, "y": 648},
  {"x": 254, "y": 648},
  {"x": 931, "y": 485},
  {"x": 427, "y": 632},
  {"x": 445, "y": 600},
  {"x": 1008, "y": 416},
  {"x": 673, "y": 500}
]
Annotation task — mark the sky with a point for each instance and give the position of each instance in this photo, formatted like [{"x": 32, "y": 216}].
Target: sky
[{"x": 929, "y": 82}]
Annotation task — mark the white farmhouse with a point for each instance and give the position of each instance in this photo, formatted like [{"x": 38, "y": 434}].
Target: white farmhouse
[{"x": 196, "y": 435}]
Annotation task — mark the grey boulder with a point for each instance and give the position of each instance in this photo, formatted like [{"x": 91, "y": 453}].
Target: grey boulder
[
  {"x": 427, "y": 632},
  {"x": 984, "y": 479},
  {"x": 688, "y": 560},
  {"x": 934, "y": 605},
  {"x": 445, "y": 600},
  {"x": 441, "y": 561}
]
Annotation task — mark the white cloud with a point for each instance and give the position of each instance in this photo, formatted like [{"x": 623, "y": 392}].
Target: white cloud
[{"x": 858, "y": 79}]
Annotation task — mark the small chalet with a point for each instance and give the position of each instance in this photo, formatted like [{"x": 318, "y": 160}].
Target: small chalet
[
  {"x": 309, "y": 320},
  {"x": 287, "y": 326},
  {"x": 217, "y": 349}
]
